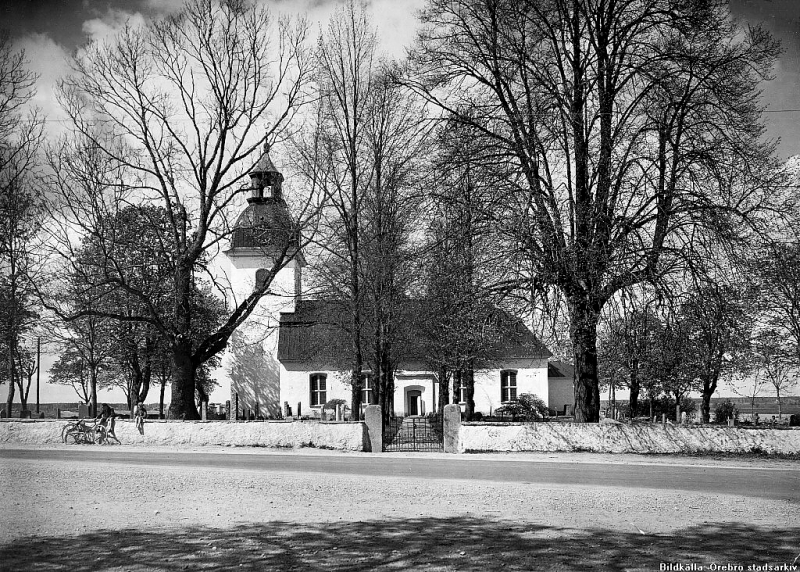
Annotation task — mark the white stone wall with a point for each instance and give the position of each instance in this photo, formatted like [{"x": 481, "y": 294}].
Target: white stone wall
[
  {"x": 278, "y": 434},
  {"x": 619, "y": 438}
]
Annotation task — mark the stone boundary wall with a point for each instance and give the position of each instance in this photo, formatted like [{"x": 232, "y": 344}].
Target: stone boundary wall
[
  {"x": 620, "y": 438},
  {"x": 276, "y": 434}
]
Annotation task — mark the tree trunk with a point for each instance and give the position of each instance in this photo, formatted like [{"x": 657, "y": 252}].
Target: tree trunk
[
  {"x": 93, "y": 393},
  {"x": 161, "y": 398},
  {"x": 613, "y": 401},
  {"x": 469, "y": 384},
  {"x": 358, "y": 358},
  {"x": 182, "y": 402},
  {"x": 709, "y": 387},
  {"x": 634, "y": 392},
  {"x": 583, "y": 332},
  {"x": 11, "y": 383},
  {"x": 444, "y": 389},
  {"x": 183, "y": 390}
]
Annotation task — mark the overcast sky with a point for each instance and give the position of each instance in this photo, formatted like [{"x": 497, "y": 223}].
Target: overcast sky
[{"x": 49, "y": 30}]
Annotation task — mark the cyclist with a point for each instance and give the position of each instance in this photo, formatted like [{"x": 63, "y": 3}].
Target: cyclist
[
  {"x": 141, "y": 415},
  {"x": 107, "y": 413}
]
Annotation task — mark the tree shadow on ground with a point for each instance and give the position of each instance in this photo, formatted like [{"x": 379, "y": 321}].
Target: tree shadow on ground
[{"x": 410, "y": 544}]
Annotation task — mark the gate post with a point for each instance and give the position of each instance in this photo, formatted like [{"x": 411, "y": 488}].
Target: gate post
[
  {"x": 452, "y": 427},
  {"x": 374, "y": 421}
]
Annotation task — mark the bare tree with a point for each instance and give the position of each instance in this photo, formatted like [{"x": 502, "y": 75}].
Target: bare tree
[
  {"x": 627, "y": 349},
  {"x": 630, "y": 131},
  {"x": 172, "y": 114},
  {"x": 775, "y": 358},
  {"x": 362, "y": 151},
  {"x": 20, "y": 210},
  {"x": 462, "y": 266},
  {"x": 778, "y": 267},
  {"x": 347, "y": 61},
  {"x": 718, "y": 320}
]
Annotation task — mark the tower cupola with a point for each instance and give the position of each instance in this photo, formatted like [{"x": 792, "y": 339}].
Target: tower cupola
[
  {"x": 265, "y": 224},
  {"x": 265, "y": 180}
]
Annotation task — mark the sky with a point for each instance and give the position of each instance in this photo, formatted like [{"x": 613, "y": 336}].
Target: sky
[{"x": 50, "y": 30}]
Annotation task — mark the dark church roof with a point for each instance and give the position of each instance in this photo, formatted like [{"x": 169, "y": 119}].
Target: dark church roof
[
  {"x": 265, "y": 223},
  {"x": 316, "y": 333}
]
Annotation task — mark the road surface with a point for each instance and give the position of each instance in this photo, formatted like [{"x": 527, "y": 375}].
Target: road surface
[
  {"x": 84, "y": 508},
  {"x": 771, "y": 483}
]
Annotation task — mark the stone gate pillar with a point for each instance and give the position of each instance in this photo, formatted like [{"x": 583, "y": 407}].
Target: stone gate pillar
[
  {"x": 452, "y": 427},
  {"x": 374, "y": 422}
]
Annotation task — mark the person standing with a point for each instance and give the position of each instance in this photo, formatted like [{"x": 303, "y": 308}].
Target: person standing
[
  {"x": 140, "y": 414},
  {"x": 107, "y": 418}
]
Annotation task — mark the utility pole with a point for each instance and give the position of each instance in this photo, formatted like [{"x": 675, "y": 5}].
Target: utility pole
[{"x": 38, "y": 368}]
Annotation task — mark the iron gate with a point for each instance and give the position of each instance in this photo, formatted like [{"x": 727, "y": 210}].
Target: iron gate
[{"x": 414, "y": 434}]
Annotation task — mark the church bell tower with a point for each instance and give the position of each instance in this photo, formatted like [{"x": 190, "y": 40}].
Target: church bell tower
[{"x": 263, "y": 236}]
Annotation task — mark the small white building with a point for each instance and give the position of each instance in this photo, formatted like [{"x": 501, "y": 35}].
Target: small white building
[{"x": 288, "y": 354}]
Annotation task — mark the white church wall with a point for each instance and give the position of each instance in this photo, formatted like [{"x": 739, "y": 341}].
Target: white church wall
[
  {"x": 295, "y": 388},
  {"x": 531, "y": 378},
  {"x": 250, "y": 366}
]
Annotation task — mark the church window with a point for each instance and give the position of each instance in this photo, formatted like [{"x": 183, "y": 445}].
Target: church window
[
  {"x": 318, "y": 382},
  {"x": 508, "y": 386},
  {"x": 368, "y": 396},
  {"x": 459, "y": 387}
]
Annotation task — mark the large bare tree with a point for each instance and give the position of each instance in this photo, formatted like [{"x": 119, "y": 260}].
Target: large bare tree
[
  {"x": 362, "y": 151},
  {"x": 172, "y": 114},
  {"x": 631, "y": 129},
  {"x": 20, "y": 210}
]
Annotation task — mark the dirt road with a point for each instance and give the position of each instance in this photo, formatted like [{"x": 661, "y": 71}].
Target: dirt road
[{"x": 89, "y": 516}]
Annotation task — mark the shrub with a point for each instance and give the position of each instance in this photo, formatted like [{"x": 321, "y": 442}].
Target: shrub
[
  {"x": 527, "y": 407},
  {"x": 333, "y": 403},
  {"x": 725, "y": 410}
]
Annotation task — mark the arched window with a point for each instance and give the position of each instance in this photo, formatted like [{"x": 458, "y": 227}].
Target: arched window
[{"x": 508, "y": 385}]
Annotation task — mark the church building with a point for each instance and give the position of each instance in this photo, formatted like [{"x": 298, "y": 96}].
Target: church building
[{"x": 280, "y": 360}]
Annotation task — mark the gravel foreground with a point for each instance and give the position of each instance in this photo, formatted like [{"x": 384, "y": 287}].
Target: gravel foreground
[{"x": 88, "y": 517}]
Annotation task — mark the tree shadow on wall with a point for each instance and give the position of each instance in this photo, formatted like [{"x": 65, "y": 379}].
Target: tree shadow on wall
[
  {"x": 255, "y": 376},
  {"x": 411, "y": 544}
]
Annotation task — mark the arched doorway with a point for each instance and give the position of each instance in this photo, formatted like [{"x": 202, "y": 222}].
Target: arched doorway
[{"x": 414, "y": 404}]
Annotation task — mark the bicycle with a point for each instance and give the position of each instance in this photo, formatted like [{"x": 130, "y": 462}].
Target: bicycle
[{"x": 80, "y": 432}]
